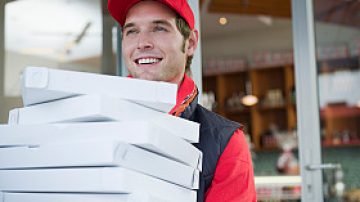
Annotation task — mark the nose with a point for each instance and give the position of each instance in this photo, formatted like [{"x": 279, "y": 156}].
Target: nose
[{"x": 145, "y": 41}]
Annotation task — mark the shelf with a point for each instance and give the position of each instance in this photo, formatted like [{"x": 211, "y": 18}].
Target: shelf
[
  {"x": 234, "y": 111},
  {"x": 271, "y": 108},
  {"x": 264, "y": 78},
  {"x": 268, "y": 149},
  {"x": 256, "y": 119},
  {"x": 216, "y": 73},
  {"x": 342, "y": 145},
  {"x": 340, "y": 111},
  {"x": 331, "y": 65},
  {"x": 323, "y": 145},
  {"x": 269, "y": 66},
  {"x": 271, "y": 181},
  {"x": 278, "y": 188}
]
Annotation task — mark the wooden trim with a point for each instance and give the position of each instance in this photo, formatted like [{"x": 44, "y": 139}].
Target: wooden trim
[{"x": 277, "y": 8}]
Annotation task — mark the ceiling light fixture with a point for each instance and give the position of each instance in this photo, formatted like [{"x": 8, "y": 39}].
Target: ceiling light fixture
[
  {"x": 249, "y": 99},
  {"x": 223, "y": 21}
]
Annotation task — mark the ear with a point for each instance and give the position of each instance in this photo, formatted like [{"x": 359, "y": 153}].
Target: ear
[{"x": 193, "y": 42}]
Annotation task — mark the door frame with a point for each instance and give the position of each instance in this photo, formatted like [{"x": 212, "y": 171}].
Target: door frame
[{"x": 307, "y": 100}]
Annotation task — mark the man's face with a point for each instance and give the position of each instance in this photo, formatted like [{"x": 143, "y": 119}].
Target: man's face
[{"x": 152, "y": 44}]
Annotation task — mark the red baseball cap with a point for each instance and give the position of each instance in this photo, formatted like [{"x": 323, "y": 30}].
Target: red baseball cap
[{"x": 119, "y": 8}]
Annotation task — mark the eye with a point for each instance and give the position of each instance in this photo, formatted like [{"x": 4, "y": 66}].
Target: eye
[
  {"x": 130, "y": 31},
  {"x": 160, "y": 29}
]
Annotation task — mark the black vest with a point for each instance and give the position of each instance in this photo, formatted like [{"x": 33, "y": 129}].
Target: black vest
[{"x": 215, "y": 133}]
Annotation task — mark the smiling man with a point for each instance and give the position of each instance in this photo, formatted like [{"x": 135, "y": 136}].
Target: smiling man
[
  {"x": 159, "y": 40},
  {"x": 152, "y": 44}
]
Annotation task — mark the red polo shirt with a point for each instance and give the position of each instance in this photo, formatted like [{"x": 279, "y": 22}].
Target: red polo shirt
[{"x": 234, "y": 177}]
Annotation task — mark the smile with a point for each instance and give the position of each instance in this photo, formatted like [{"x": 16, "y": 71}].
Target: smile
[{"x": 143, "y": 61}]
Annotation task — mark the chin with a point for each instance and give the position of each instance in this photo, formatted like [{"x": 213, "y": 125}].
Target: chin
[{"x": 147, "y": 77}]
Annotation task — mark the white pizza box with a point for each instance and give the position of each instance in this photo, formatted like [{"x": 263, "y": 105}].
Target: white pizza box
[
  {"x": 91, "y": 180},
  {"x": 99, "y": 153},
  {"x": 75, "y": 197},
  {"x": 40, "y": 84},
  {"x": 93, "y": 108},
  {"x": 142, "y": 134}
]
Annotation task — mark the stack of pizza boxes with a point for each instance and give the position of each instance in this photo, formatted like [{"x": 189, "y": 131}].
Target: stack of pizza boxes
[{"x": 97, "y": 138}]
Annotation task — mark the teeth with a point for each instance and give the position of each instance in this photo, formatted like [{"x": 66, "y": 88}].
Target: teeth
[{"x": 148, "y": 60}]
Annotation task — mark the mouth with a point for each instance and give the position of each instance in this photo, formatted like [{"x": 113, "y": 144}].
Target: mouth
[{"x": 147, "y": 61}]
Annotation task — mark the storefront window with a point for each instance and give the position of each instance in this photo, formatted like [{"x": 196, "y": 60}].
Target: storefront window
[
  {"x": 337, "y": 31},
  {"x": 248, "y": 77},
  {"x": 62, "y": 34},
  {"x": 56, "y": 34}
]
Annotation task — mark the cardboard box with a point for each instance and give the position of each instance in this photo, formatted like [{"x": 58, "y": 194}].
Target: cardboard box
[
  {"x": 142, "y": 134},
  {"x": 91, "y": 108},
  {"x": 41, "y": 85},
  {"x": 61, "y": 197},
  {"x": 100, "y": 153},
  {"x": 91, "y": 180}
]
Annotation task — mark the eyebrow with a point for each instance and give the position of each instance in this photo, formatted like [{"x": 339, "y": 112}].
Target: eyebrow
[
  {"x": 162, "y": 22},
  {"x": 157, "y": 22},
  {"x": 128, "y": 25}
]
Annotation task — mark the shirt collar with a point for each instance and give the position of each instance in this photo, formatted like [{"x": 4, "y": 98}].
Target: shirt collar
[{"x": 185, "y": 90}]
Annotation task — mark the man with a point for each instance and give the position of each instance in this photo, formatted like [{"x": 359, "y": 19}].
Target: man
[{"x": 159, "y": 40}]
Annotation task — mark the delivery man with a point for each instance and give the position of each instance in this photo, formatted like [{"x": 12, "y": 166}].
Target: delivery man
[{"x": 158, "y": 42}]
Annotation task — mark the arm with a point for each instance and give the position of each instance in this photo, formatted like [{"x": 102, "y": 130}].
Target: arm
[{"x": 234, "y": 176}]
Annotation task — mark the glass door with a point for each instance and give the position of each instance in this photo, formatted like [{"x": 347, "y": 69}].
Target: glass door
[
  {"x": 326, "y": 49},
  {"x": 337, "y": 43}
]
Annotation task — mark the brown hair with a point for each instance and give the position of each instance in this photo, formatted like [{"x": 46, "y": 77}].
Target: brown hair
[{"x": 185, "y": 30}]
